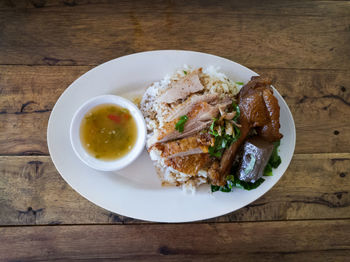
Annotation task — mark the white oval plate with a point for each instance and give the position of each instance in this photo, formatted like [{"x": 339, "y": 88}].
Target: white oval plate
[{"x": 136, "y": 191}]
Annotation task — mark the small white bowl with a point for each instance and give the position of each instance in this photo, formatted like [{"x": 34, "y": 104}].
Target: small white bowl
[{"x": 120, "y": 162}]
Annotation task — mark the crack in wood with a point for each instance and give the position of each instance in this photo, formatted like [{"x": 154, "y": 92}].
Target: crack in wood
[
  {"x": 37, "y": 165},
  {"x": 257, "y": 205},
  {"x": 69, "y": 3},
  {"x": 9, "y": 3},
  {"x": 51, "y": 61},
  {"x": 115, "y": 218},
  {"x": 302, "y": 100},
  {"x": 342, "y": 174},
  {"x": 31, "y": 153},
  {"x": 326, "y": 107},
  {"x": 35, "y": 111},
  {"x": 29, "y": 216},
  {"x": 299, "y": 251},
  {"x": 164, "y": 250},
  {"x": 339, "y": 159},
  {"x": 25, "y": 105},
  {"x": 55, "y": 222},
  {"x": 329, "y": 203},
  {"x": 38, "y": 3},
  {"x": 332, "y": 96},
  {"x": 337, "y": 98}
]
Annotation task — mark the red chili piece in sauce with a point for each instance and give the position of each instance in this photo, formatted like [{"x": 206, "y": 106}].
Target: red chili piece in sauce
[
  {"x": 115, "y": 118},
  {"x": 126, "y": 116}
]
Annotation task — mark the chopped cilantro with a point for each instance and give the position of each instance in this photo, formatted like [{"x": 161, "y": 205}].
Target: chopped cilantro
[
  {"x": 185, "y": 72},
  {"x": 211, "y": 129},
  {"x": 237, "y": 132},
  {"x": 214, "y": 152},
  {"x": 223, "y": 141},
  {"x": 238, "y": 112},
  {"x": 179, "y": 126}
]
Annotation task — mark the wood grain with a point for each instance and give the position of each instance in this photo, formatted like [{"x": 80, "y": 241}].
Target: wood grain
[
  {"x": 277, "y": 241},
  {"x": 319, "y": 101},
  {"x": 304, "y": 45},
  {"x": 251, "y": 7},
  {"x": 314, "y": 187},
  {"x": 254, "y": 33}
]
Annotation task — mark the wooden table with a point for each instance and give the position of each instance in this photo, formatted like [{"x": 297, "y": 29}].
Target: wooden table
[{"x": 304, "y": 46}]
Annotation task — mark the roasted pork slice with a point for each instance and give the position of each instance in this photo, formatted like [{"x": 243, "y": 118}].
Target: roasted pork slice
[
  {"x": 189, "y": 164},
  {"x": 270, "y": 131},
  {"x": 189, "y": 104},
  {"x": 192, "y": 145},
  {"x": 182, "y": 88},
  {"x": 199, "y": 118},
  {"x": 254, "y": 83}
]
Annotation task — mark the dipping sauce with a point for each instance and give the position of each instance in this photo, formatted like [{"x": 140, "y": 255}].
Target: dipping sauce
[{"x": 108, "y": 132}]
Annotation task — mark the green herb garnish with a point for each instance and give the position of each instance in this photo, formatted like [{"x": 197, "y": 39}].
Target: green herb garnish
[
  {"x": 233, "y": 181},
  {"x": 211, "y": 128},
  {"x": 268, "y": 170},
  {"x": 179, "y": 126},
  {"x": 185, "y": 72},
  {"x": 215, "y": 151},
  {"x": 214, "y": 188},
  {"x": 238, "y": 111},
  {"x": 223, "y": 141},
  {"x": 274, "y": 161},
  {"x": 240, "y": 83}
]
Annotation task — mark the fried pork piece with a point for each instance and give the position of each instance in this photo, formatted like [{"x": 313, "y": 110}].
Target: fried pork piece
[
  {"x": 196, "y": 144},
  {"x": 189, "y": 164},
  {"x": 182, "y": 88},
  {"x": 185, "y": 107},
  {"x": 259, "y": 109},
  {"x": 199, "y": 118}
]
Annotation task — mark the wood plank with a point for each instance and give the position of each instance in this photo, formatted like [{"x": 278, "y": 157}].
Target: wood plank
[
  {"x": 282, "y": 37},
  {"x": 249, "y": 7},
  {"x": 314, "y": 187},
  {"x": 319, "y": 101},
  {"x": 261, "y": 241},
  {"x": 27, "y": 96}
]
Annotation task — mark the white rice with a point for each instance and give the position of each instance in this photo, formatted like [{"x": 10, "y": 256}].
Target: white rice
[{"x": 213, "y": 81}]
